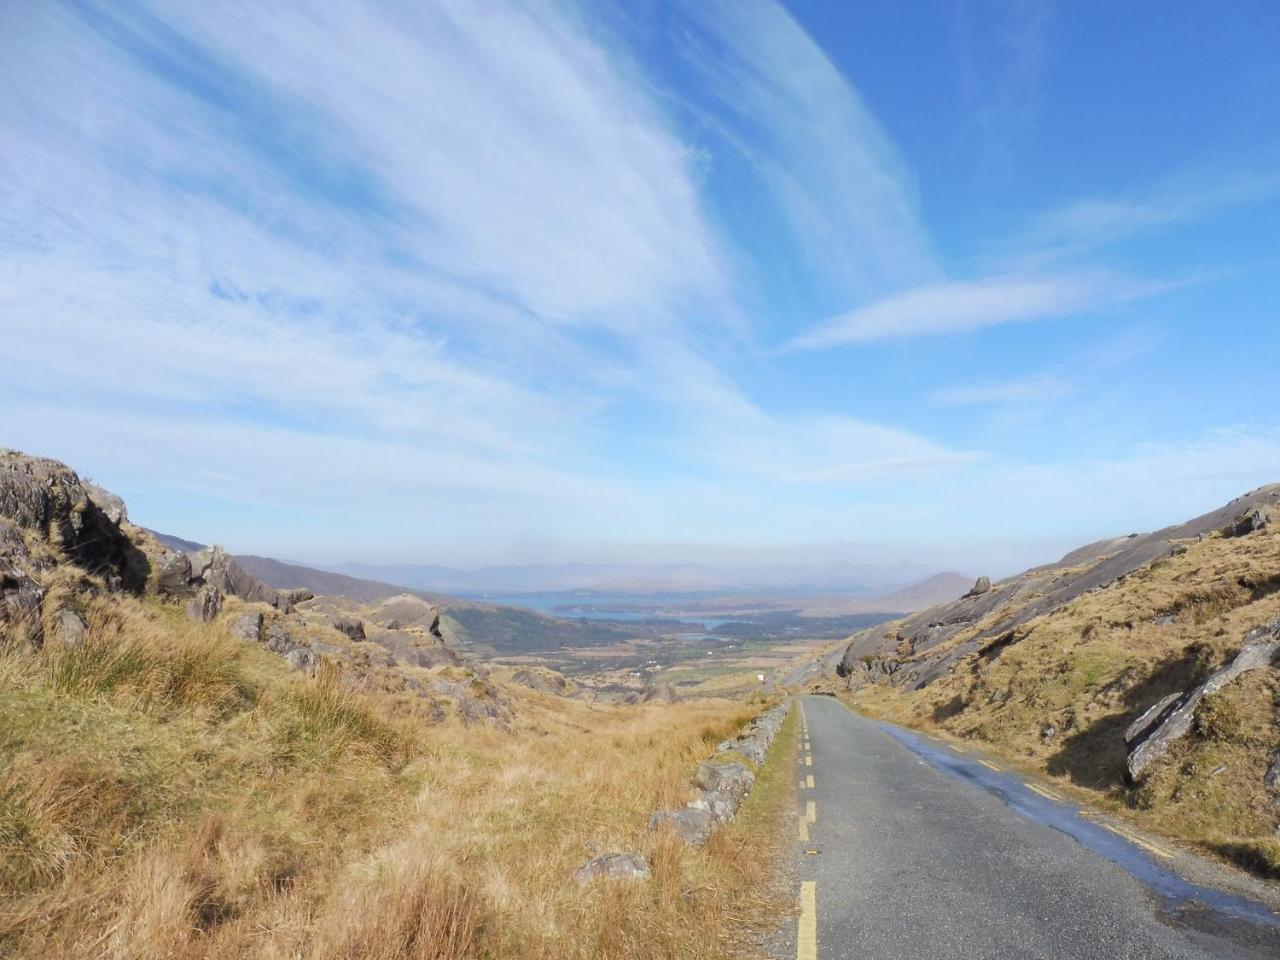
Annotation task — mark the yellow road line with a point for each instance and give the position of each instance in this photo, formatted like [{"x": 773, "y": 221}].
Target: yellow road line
[
  {"x": 808, "y": 759},
  {"x": 1044, "y": 793},
  {"x": 811, "y": 812},
  {"x": 802, "y": 783},
  {"x": 810, "y": 779},
  {"x": 804, "y": 830},
  {"x": 988, "y": 764},
  {"x": 807, "y": 929},
  {"x": 1134, "y": 838}
]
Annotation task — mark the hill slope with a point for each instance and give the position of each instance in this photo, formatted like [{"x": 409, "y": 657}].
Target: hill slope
[{"x": 1092, "y": 670}]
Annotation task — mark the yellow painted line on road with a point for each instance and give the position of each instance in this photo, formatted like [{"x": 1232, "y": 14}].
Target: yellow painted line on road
[
  {"x": 1134, "y": 838},
  {"x": 808, "y": 759},
  {"x": 804, "y": 830},
  {"x": 811, "y": 812},
  {"x": 807, "y": 929},
  {"x": 988, "y": 764},
  {"x": 810, "y": 779},
  {"x": 1048, "y": 795},
  {"x": 802, "y": 783}
]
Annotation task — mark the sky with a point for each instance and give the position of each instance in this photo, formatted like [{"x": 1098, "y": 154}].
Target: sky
[{"x": 962, "y": 282}]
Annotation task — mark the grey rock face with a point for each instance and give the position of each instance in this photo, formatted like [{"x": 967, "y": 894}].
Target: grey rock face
[
  {"x": 47, "y": 499},
  {"x": 613, "y": 866},
  {"x": 247, "y": 626},
  {"x": 205, "y": 606},
  {"x": 301, "y": 658},
  {"x": 1250, "y": 521},
  {"x": 731, "y": 778},
  {"x": 276, "y": 638},
  {"x": 297, "y": 595},
  {"x": 1152, "y": 734},
  {"x": 980, "y": 586},
  {"x": 213, "y": 567},
  {"x": 111, "y": 505},
  {"x": 172, "y": 577},
  {"x": 352, "y": 627},
  {"x": 692, "y": 825},
  {"x": 71, "y": 628},
  {"x": 20, "y": 593},
  {"x": 718, "y": 803}
]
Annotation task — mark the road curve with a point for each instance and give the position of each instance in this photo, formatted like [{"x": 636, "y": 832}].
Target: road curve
[{"x": 909, "y": 850}]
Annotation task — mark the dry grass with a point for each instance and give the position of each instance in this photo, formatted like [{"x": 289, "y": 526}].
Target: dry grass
[
  {"x": 166, "y": 792},
  {"x": 1057, "y": 699}
]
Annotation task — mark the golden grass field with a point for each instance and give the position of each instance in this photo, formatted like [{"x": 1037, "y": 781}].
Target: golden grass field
[
  {"x": 167, "y": 792},
  {"x": 1090, "y": 668}
]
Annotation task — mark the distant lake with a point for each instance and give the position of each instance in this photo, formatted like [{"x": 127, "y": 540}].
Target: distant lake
[{"x": 627, "y": 607}]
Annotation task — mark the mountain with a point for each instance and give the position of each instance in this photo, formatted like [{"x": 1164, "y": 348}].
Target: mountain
[
  {"x": 849, "y": 578},
  {"x": 1144, "y": 668}
]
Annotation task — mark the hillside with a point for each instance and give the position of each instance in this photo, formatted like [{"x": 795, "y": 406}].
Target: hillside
[
  {"x": 194, "y": 764},
  {"x": 1139, "y": 670}
]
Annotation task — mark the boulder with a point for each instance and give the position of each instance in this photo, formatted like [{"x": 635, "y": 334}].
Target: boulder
[
  {"x": 277, "y": 639},
  {"x": 692, "y": 825},
  {"x": 247, "y": 626},
  {"x": 205, "y": 605},
  {"x": 1151, "y": 735},
  {"x": 71, "y": 628},
  {"x": 718, "y": 803},
  {"x": 1250, "y": 521},
  {"x": 1272, "y": 780},
  {"x": 171, "y": 576},
  {"x": 301, "y": 658},
  {"x": 613, "y": 866},
  {"x": 732, "y": 778},
  {"x": 980, "y": 586},
  {"x": 297, "y": 595},
  {"x": 21, "y": 595}
]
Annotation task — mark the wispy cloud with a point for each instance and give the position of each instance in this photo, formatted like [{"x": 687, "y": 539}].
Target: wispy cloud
[
  {"x": 968, "y": 305},
  {"x": 821, "y": 153},
  {"x": 1027, "y": 390}
]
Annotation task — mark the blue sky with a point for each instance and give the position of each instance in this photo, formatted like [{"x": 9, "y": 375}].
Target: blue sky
[{"x": 959, "y": 282}]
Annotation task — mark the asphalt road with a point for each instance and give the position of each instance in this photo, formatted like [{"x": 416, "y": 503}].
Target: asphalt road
[{"x": 916, "y": 852}]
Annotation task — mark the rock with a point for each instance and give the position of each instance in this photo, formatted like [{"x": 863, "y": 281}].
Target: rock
[
  {"x": 692, "y": 825},
  {"x": 544, "y": 681},
  {"x": 205, "y": 605},
  {"x": 1220, "y": 768},
  {"x": 1272, "y": 780},
  {"x": 247, "y": 626},
  {"x": 1177, "y": 550},
  {"x": 405, "y": 611},
  {"x": 112, "y": 507},
  {"x": 301, "y": 658},
  {"x": 1150, "y": 736},
  {"x": 172, "y": 576},
  {"x": 980, "y": 586},
  {"x": 352, "y": 627},
  {"x": 277, "y": 639},
  {"x": 71, "y": 628},
  {"x": 732, "y": 778},
  {"x": 21, "y": 595},
  {"x": 47, "y": 499},
  {"x": 1048, "y": 731},
  {"x": 1250, "y": 521},
  {"x": 213, "y": 567},
  {"x": 718, "y": 803},
  {"x": 613, "y": 866},
  {"x": 297, "y": 595}
]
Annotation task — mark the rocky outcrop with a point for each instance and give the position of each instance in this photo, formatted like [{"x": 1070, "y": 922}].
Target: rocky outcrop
[
  {"x": 980, "y": 586},
  {"x": 352, "y": 627},
  {"x": 613, "y": 866},
  {"x": 1150, "y": 736},
  {"x": 722, "y": 785},
  {"x": 544, "y": 681},
  {"x": 48, "y": 501},
  {"x": 942, "y": 636}
]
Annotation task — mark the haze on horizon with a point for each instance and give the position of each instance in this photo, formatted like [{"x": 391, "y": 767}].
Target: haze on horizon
[{"x": 962, "y": 283}]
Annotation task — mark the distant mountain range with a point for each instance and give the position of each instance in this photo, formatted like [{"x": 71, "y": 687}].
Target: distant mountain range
[{"x": 849, "y": 579}]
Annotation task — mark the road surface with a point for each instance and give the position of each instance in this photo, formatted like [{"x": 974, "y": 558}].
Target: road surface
[{"x": 912, "y": 849}]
